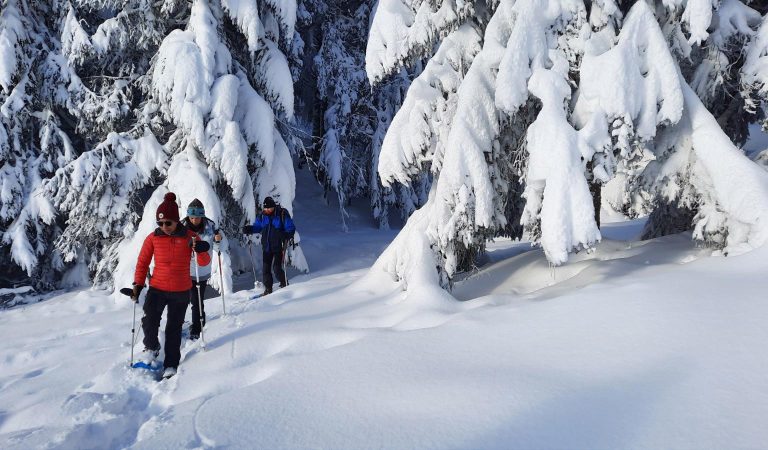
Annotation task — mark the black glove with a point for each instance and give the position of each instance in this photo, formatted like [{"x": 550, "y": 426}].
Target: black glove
[
  {"x": 137, "y": 288},
  {"x": 201, "y": 246},
  {"x": 247, "y": 229}
]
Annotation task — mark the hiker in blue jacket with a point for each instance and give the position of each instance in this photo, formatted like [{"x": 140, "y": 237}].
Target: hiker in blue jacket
[{"x": 277, "y": 230}]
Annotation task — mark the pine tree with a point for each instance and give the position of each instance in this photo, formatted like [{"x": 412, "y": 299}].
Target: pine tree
[
  {"x": 130, "y": 99},
  {"x": 40, "y": 101},
  {"x": 223, "y": 84},
  {"x": 558, "y": 98},
  {"x": 350, "y": 117},
  {"x": 341, "y": 84}
]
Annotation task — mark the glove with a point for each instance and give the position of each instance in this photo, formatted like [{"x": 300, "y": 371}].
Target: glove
[
  {"x": 201, "y": 246},
  {"x": 137, "y": 288},
  {"x": 247, "y": 229}
]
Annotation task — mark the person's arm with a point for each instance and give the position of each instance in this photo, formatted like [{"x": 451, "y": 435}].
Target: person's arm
[
  {"x": 213, "y": 230},
  {"x": 201, "y": 250},
  {"x": 142, "y": 263},
  {"x": 260, "y": 223},
  {"x": 257, "y": 226},
  {"x": 289, "y": 226}
]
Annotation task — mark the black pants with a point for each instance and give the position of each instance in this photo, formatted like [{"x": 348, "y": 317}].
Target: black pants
[
  {"x": 154, "y": 305},
  {"x": 273, "y": 260},
  {"x": 198, "y": 307}
]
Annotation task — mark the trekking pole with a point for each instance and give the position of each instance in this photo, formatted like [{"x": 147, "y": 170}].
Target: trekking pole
[
  {"x": 199, "y": 298},
  {"x": 221, "y": 283},
  {"x": 133, "y": 331},
  {"x": 285, "y": 266},
  {"x": 253, "y": 264},
  {"x": 129, "y": 292}
]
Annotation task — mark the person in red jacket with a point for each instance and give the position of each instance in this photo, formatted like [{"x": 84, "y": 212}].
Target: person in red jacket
[{"x": 171, "y": 245}]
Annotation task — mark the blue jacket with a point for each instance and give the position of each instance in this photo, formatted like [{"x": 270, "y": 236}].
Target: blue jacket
[{"x": 275, "y": 229}]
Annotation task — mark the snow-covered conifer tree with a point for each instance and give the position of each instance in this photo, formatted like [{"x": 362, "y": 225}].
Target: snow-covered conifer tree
[
  {"x": 341, "y": 83},
  {"x": 100, "y": 193},
  {"x": 351, "y": 117},
  {"x": 403, "y": 198},
  {"x": 754, "y": 80},
  {"x": 105, "y": 102},
  {"x": 521, "y": 123},
  {"x": 41, "y": 108},
  {"x": 223, "y": 92}
]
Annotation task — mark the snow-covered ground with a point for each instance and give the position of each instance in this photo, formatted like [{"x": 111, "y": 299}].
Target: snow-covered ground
[{"x": 652, "y": 344}]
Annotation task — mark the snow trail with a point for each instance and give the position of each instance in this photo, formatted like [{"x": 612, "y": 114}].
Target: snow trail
[{"x": 642, "y": 344}]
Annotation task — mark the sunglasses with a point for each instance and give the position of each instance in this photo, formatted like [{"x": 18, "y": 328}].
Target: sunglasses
[{"x": 165, "y": 223}]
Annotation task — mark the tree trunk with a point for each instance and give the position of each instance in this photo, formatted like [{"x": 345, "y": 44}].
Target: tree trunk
[{"x": 596, "y": 190}]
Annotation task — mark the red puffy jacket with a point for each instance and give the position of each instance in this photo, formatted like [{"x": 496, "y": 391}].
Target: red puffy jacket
[{"x": 172, "y": 254}]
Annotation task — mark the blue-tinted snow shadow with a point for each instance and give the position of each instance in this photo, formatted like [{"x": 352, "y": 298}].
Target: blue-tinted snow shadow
[
  {"x": 327, "y": 254},
  {"x": 521, "y": 270},
  {"x": 629, "y": 230},
  {"x": 292, "y": 320},
  {"x": 604, "y": 414}
]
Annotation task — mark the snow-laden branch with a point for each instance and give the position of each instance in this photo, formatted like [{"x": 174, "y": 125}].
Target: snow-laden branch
[
  {"x": 698, "y": 15},
  {"x": 736, "y": 187},
  {"x": 464, "y": 176},
  {"x": 75, "y": 43},
  {"x": 276, "y": 77},
  {"x": 285, "y": 11},
  {"x": 755, "y": 69},
  {"x": 636, "y": 80},
  {"x": 12, "y": 34},
  {"x": 419, "y": 130},
  {"x": 226, "y": 149},
  {"x": 245, "y": 14},
  {"x": 411, "y": 260},
  {"x": 403, "y": 30},
  {"x": 556, "y": 189},
  {"x": 734, "y": 17}
]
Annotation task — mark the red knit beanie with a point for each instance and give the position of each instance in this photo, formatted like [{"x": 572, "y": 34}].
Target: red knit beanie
[{"x": 168, "y": 210}]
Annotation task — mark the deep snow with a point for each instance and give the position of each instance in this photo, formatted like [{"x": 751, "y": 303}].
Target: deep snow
[{"x": 652, "y": 344}]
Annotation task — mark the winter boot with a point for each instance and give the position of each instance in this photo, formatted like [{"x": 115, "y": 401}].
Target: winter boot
[
  {"x": 267, "y": 291},
  {"x": 194, "y": 332},
  {"x": 149, "y": 356},
  {"x": 169, "y": 372}
]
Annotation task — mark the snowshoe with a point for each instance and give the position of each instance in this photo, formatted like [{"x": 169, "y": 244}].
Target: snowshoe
[
  {"x": 148, "y": 360},
  {"x": 266, "y": 292}
]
